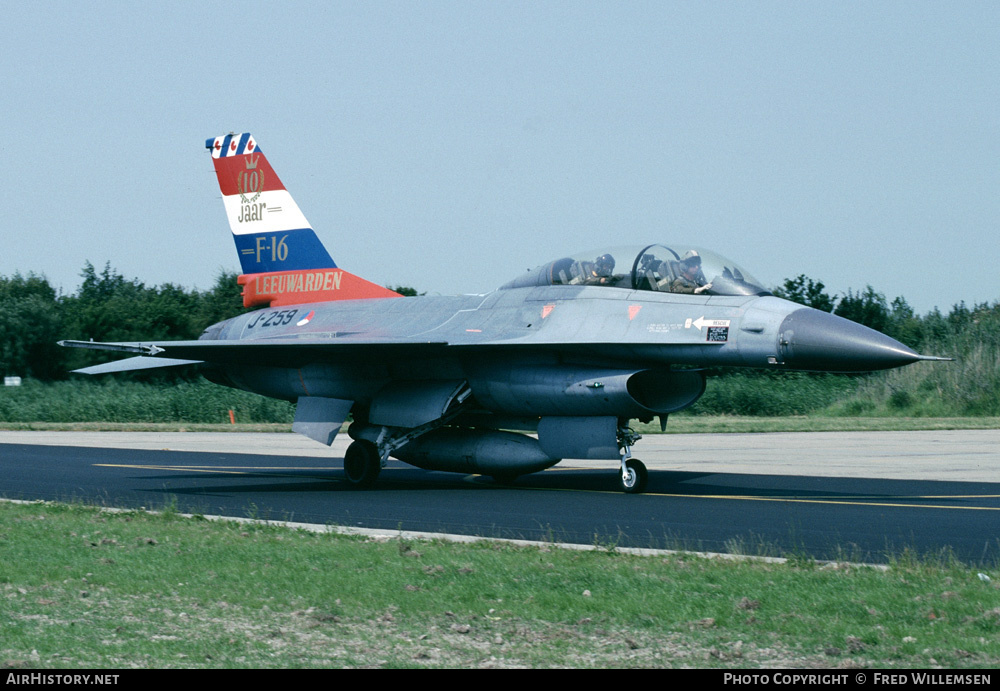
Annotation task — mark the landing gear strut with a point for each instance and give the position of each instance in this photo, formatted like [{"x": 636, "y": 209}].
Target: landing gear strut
[
  {"x": 362, "y": 464},
  {"x": 633, "y": 475}
]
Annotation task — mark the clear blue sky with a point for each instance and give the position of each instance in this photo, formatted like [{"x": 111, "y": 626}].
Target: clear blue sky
[{"x": 451, "y": 145}]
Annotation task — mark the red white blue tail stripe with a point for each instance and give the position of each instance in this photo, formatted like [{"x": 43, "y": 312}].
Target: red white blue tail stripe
[
  {"x": 270, "y": 231},
  {"x": 283, "y": 261}
]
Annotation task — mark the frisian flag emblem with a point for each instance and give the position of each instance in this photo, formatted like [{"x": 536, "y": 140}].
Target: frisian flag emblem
[{"x": 233, "y": 145}]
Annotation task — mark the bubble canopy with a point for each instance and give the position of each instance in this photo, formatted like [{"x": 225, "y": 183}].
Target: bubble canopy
[{"x": 659, "y": 267}]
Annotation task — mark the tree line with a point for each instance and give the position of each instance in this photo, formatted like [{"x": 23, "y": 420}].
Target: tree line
[
  {"x": 106, "y": 307},
  {"x": 960, "y": 327}
]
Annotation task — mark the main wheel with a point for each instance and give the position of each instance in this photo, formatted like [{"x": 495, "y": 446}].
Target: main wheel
[
  {"x": 633, "y": 479},
  {"x": 362, "y": 464}
]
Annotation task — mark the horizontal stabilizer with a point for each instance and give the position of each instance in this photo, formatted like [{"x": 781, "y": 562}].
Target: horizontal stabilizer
[
  {"x": 144, "y": 348},
  {"x": 135, "y": 363},
  {"x": 275, "y": 353}
]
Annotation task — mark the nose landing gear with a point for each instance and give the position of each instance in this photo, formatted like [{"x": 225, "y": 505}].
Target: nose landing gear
[{"x": 633, "y": 475}]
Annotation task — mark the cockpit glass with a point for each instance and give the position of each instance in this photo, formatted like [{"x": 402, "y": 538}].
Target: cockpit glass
[{"x": 660, "y": 268}]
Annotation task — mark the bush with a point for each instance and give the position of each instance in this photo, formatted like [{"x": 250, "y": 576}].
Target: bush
[{"x": 112, "y": 400}]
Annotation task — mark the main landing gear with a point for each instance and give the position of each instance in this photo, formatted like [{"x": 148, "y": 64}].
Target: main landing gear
[
  {"x": 362, "y": 464},
  {"x": 634, "y": 475},
  {"x": 366, "y": 456}
]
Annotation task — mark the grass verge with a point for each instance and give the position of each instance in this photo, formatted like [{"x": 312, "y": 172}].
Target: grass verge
[
  {"x": 84, "y": 588},
  {"x": 144, "y": 427}
]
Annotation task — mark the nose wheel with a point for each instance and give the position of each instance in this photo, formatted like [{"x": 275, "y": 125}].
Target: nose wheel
[{"x": 633, "y": 477}]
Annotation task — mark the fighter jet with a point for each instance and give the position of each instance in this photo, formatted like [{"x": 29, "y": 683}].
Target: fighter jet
[{"x": 552, "y": 365}]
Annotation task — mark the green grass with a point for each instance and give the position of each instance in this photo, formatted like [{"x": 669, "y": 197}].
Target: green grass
[
  {"x": 968, "y": 387},
  {"x": 85, "y": 588},
  {"x": 112, "y": 400},
  {"x": 771, "y": 394},
  {"x": 276, "y": 427}
]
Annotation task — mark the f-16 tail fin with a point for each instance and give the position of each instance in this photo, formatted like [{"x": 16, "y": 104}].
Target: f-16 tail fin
[{"x": 283, "y": 261}]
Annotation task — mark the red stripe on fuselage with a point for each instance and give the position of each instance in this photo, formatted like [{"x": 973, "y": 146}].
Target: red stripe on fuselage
[{"x": 247, "y": 174}]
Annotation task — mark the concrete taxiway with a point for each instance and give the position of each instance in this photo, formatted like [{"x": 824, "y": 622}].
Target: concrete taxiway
[{"x": 956, "y": 455}]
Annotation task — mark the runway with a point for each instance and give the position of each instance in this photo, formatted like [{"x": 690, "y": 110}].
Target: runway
[{"x": 863, "y": 496}]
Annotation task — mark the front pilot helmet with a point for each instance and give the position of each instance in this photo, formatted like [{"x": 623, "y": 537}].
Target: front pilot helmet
[
  {"x": 691, "y": 257},
  {"x": 604, "y": 265}
]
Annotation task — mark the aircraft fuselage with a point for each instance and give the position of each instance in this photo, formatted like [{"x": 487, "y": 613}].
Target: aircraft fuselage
[{"x": 569, "y": 326}]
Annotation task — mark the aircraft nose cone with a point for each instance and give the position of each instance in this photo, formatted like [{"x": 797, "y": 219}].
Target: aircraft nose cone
[{"x": 813, "y": 340}]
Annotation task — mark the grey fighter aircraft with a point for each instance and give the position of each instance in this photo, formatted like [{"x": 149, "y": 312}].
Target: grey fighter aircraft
[{"x": 570, "y": 351}]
